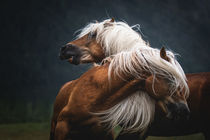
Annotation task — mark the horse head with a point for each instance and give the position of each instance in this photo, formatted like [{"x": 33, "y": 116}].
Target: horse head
[
  {"x": 86, "y": 48},
  {"x": 100, "y": 40},
  {"x": 174, "y": 105}
]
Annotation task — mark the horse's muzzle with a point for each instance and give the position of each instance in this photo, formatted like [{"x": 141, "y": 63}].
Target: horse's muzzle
[
  {"x": 71, "y": 52},
  {"x": 178, "y": 111}
]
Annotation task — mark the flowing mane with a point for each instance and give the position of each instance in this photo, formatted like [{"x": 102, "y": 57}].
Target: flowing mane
[
  {"x": 131, "y": 55},
  {"x": 148, "y": 59},
  {"x": 133, "y": 114},
  {"x": 115, "y": 37}
]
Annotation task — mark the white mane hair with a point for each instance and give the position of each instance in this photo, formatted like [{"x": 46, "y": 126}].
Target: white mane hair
[
  {"x": 114, "y": 37},
  {"x": 146, "y": 59},
  {"x": 133, "y": 114},
  {"x": 131, "y": 55}
]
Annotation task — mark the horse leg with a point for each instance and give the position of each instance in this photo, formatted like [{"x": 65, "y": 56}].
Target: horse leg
[
  {"x": 206, "y": 134},
  {"x": 52, "y": 130},
  {"x": 62, "y": 131},
  {"x": 206, "y": 131}
]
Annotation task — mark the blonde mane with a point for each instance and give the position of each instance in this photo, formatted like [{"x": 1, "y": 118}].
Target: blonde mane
[
  {"x": 131, "y": 55},
  {"x": 133, "y": 114},
  {"x": 114, "y": 37}
]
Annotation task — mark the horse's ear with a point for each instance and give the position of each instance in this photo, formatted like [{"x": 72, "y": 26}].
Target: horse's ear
[
  {"x": 163, "y": 54},
  {"x": 109, "y": 23},
  {"x": 112, "y": 20}
]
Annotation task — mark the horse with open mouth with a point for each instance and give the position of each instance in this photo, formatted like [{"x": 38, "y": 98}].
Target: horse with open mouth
[
  {"x": 107, "y": 96},
  {"x": 100, "y": 40}
]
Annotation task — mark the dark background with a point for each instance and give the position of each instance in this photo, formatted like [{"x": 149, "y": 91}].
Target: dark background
[{"x": 32, "y": 33}]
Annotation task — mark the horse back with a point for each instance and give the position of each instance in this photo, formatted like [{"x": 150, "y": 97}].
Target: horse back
[{"x": 199, "y": 85}]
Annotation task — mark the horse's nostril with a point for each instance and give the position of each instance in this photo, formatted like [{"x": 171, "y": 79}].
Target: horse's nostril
[
  {"x": 66, "y": 46},
  {"x": 69, "y": 45},
  {"x": 63, "y": 48}
]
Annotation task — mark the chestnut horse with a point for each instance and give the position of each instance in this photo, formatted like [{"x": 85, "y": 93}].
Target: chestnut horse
[
  {"x": 88, "y": 105},
  {"x": 93, "y": 46},
  {"x": 199, "y": 120},
  {"x": 198, "y": 101}
]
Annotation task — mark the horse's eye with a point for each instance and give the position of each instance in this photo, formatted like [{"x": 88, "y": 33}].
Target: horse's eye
[{"x": 91, "y": 35}]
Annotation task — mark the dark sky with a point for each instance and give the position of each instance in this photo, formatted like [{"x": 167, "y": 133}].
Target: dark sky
[{"x": 34, "y": 30}]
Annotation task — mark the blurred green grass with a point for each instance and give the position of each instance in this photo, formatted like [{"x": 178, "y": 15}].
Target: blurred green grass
[
  {"x": 25, "y": 131},
  {"x": 198, "y": 136},
  {"x": 40, "y": 131},
  {"x": 20, "y": 111}
]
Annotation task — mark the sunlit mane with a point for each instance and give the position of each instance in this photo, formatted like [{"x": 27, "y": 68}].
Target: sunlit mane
[
  {"x": 133, "y": 114},
  {"x": 131, "y": 55},
  {"x": 148, "y": 59},
  {"x": 114, "y": 37}
]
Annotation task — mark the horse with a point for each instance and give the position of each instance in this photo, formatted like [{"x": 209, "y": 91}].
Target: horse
[
  {"x": 103, "y": 98},
  {"x": 198, "y": 101},
  {"x": 100, "y": 40},
  {"x": 96, "y": 42},
  {"x": 199, "y": 119}
]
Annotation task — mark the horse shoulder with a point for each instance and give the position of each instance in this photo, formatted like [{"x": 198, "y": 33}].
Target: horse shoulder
[
  {"x": 205, "y": 95},
  {"x": 62, "y": 97},
  {"x": 60, "y": 102},
  {"x": 199, "y": 89}
]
